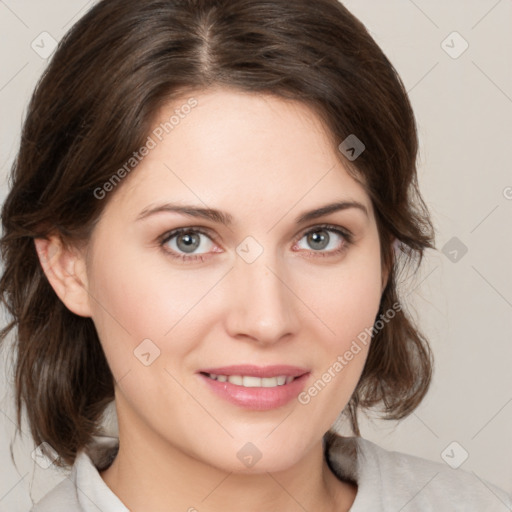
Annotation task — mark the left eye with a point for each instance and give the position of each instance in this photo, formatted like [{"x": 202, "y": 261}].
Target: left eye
[{"x": 324, "y": 239}]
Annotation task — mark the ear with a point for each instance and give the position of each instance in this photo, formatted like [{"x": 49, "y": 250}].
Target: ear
[{"x": 65, "y": 269}]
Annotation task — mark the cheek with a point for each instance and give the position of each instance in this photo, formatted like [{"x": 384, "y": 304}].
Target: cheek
[
  {"x": 359, "y": 300},
  {"x": 349, "y": 311},
  {"x": 345, "y": 298},
  {"x": 138, "y": 297}
]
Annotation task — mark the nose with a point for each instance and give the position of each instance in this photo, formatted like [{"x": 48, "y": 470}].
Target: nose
[{"x": 262, "y": 305}]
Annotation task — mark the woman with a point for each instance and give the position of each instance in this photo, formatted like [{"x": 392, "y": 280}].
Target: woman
[{"x": 210, "y": 207}]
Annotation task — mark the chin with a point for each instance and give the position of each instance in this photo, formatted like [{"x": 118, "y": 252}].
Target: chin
[{"x": 257, "y": 457}]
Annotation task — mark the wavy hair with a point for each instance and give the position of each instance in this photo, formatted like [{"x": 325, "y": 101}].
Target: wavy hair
[{"x": 93, "y": 107}]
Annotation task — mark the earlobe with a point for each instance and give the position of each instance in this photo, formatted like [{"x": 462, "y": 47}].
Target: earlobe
[{"x": 65, "y": 270}]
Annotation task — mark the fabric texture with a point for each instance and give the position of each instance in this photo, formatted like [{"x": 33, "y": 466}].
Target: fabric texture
[{"x": 388, "y": 481}]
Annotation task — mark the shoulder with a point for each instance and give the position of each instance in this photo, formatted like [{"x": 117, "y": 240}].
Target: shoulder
[
  {"x": 62, "y": 498},
  {"x": 420, "y": 484},
  {"x": 84, "y": 489},
  {"x": 390, "y": 481}
]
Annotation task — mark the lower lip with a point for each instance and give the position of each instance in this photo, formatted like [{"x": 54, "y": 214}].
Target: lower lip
[{"x": 258, "y": 399}]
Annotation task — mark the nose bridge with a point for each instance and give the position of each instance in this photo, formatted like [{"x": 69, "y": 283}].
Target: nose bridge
[{"x": 263, "y": 307}]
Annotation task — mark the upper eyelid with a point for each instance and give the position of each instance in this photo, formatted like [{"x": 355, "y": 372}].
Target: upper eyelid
[
  {"x": 328, "y": 227},
  {"x": 177, "y": 231}
]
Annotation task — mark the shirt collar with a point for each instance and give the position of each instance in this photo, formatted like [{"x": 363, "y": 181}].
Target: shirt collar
[{"x": 93, "y": 493}]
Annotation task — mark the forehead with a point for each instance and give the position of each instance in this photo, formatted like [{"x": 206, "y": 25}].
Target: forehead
[{"x": 239, "y": 150}]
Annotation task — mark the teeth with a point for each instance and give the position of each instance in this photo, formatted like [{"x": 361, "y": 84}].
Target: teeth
[{"x": 253, "y": 382}]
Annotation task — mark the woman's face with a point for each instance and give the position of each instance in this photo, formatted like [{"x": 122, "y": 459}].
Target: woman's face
[{"x": 263, "y": 288}]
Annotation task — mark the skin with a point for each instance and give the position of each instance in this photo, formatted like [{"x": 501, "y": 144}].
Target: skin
[{"x": 264, "y": 160}]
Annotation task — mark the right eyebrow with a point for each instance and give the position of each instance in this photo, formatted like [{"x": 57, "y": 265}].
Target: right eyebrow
[{"x": 190, "y": 210}]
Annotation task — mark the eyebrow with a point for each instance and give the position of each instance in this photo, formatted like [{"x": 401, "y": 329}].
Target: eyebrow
[{"x": 227, "y": 219}]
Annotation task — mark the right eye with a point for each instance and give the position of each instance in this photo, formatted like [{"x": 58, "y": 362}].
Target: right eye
[{"x": 182, "y": 243}]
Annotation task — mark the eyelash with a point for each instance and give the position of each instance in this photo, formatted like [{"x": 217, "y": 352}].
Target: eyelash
[{"x": 345, "y": 234}]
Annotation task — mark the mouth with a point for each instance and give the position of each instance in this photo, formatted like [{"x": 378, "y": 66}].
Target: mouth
[{"x": 256, "y": 388}]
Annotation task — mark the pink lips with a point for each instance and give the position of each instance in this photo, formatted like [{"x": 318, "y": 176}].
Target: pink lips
[{"x": 257, "y": 398}]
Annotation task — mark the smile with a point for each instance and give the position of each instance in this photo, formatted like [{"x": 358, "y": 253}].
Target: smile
[{"x": 256, "y": 388}]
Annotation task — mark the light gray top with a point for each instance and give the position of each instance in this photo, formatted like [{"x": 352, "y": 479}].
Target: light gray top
[{"x": 387, "y": 481}]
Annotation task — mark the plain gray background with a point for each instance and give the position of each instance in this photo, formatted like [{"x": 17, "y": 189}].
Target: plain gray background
[{"x": 462, "y": 300}]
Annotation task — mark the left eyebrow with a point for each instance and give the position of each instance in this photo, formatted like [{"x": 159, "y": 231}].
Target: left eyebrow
[
  {"x": 330, "y": 208},
  {"x": 226, "y": 219}
]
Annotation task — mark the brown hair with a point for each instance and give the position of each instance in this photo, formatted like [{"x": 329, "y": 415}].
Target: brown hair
[{"x": 93, "y": 108}]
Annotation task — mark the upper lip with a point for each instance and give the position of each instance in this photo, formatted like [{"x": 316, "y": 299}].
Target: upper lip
[{"x": 257, "y": 371}]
